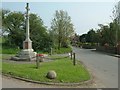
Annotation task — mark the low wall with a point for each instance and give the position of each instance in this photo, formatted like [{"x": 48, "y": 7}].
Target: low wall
[
  {"x": 113, "y": 50},
  {"x": 88, "y": 46}
]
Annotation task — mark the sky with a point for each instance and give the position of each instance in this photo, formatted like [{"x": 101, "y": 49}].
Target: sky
[{"x": 84, "y": 15}]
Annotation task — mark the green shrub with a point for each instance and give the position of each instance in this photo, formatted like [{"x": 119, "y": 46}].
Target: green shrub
[
  {"x": 62, "y": 50},
  {"x": 89, "y": 45}
]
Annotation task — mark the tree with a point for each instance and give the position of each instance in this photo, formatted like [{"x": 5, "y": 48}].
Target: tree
[
  {"x": 116, "y": 20},
  {"x": 3, "y": 14},
  {"x": 62, "y": 28},
  {"x": 13, "y": 23},
  {"x": 82, "y": 38},
  {"x": 1, "y": 22},
  {"x": 0, "y": 18},
  {"x": 91, "y": 36},
  {"x": 38, "y": 33},
  {"x": 109, "y": 34}
]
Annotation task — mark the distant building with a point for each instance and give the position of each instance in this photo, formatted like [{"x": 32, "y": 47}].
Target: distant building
[{"x": 75, "y": 40}]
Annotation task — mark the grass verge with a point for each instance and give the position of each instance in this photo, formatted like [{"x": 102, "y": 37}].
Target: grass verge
[
  {"x": 9, "y": 50},
  {"x": 66, "y": 72}
]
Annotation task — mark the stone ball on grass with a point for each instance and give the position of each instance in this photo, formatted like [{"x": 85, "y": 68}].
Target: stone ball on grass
[{"x": 51, "y": 74}]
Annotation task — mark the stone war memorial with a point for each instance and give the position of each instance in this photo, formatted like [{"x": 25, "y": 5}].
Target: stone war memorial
[{"x": 27, "y": 53}]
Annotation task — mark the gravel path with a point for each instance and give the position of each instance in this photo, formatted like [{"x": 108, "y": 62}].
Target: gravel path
[{"x": 46, "y": 59}]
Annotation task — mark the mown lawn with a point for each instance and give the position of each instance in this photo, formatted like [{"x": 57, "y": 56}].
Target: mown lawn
[
  {"x": 6, "y": 50},
  {"x": 66, "y": 72}
]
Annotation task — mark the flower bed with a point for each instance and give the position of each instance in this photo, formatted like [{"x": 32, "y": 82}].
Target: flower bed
[{"x": 40, "y": 57}]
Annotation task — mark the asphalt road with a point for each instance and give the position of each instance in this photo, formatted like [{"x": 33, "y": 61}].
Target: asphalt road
[{"x": 103, "y": 67}]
